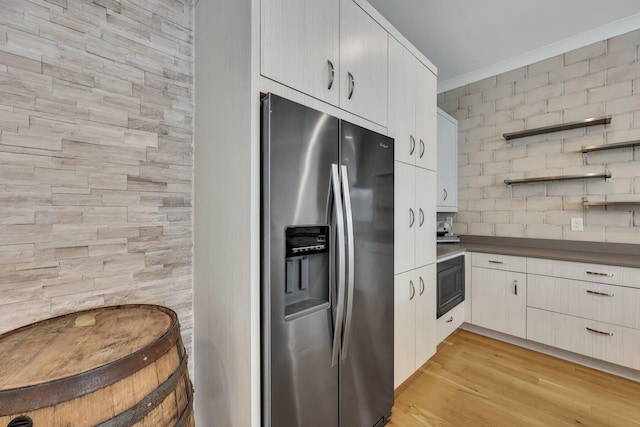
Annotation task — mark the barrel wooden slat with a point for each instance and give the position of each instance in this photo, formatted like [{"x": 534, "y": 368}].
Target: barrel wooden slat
[{"x": 129, "y": 368}]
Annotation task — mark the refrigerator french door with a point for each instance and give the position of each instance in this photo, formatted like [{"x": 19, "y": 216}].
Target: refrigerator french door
[{"x": 327, "y": 270}]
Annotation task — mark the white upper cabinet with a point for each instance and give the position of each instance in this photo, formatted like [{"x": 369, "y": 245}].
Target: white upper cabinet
[
  {"x": 426, "y": 106},
  {"x": 331, "y": 50},
  {"x": 447, "y": 163},
  {"x": 363, "y": 64},
  {"x": 300, "y": 45},
  {"x": 402, "y": 101},
  {"x": 412, "y": 108}
]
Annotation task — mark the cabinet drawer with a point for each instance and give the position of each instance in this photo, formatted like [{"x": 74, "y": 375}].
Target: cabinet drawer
[
  {"x": 605, "y": 303},
  {"x": 499, "y": 262},
  {"x": 611, "y": 343},
  {"x": 451, "y": 321},
  {"x": 576, "y": 270}
]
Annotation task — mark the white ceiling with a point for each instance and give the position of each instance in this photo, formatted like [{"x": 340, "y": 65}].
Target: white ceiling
[{"x": 472, "y": 39}]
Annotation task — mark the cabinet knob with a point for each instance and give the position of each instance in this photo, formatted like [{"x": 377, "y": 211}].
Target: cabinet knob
[
  {"x": 449, "y": 320},
  {"x": 422, "y": 147},
  {"x": 515, "y": 287},
  {"x": 421, "y": 286},
  {"x": 421, "y": 222},
  {"x": 445, "y": 193},
  {"x": 412, "y": 144},
  {"x": 412, "y": 218},
  {"x": 413, "y": 290}
]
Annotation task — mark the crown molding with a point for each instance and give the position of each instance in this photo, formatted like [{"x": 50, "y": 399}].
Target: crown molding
[{"x": 604, "y": 32}]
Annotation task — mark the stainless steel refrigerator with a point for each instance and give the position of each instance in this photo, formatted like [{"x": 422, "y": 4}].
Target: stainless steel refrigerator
[{"x": 327, "y": 270}]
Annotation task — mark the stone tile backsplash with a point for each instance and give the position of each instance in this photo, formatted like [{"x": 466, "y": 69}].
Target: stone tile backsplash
[
  {"x": 596, "y": 80},
  {"x": 96, "y": 125}
]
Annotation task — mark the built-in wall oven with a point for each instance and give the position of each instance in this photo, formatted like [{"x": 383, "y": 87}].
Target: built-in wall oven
[{"x": 450, "y": 284}]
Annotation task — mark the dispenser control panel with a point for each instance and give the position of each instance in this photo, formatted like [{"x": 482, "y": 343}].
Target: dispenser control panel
[{"x": 307, "y": 240}]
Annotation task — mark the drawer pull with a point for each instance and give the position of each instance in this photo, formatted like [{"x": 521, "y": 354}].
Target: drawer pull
[
  {"x": 495, "y": 262},
  {"x": 595, "y": 273},
  {"x": 515, "y": 287},
  {"x": 449, "y": 320},
  {"x": 603, "y": 294},
  {"x": 610, "y": 334}
]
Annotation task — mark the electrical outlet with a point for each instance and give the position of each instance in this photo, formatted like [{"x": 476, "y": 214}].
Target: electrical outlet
[{"x": 577, "y": 224}]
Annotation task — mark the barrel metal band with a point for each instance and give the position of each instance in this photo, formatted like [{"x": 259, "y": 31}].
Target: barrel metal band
[
  {"x": 150, "y": 402},
  {"x": 31, "y": 398}
]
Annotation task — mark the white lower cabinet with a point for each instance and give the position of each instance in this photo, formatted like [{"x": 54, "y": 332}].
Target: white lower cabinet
[
  {"x": 611, "y": 343},
  {"x": 499, "y": 300},
  {"x": 414, "y": 320},
  {"x": 451, "y": 321}
]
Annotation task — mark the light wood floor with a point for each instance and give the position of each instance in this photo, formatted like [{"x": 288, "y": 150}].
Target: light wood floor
[{"x": 478, "y": 381}]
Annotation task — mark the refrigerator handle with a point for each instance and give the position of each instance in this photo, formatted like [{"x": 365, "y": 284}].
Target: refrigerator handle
[
  {"x": 335, "y": 202},
  {"x": 351, "y": 259}
]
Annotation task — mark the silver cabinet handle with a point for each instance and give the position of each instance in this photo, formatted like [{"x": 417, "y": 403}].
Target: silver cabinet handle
[
  {"x": 352, "y": 85},
  {"x": 412, "y": 217},
  {"x": 595, "y": 273},
  {"x": 421, "y": 148},
  {"x": 421, "y": 212},
  {"x": 603, "y": 294},
  {"x": 449, "y": 320},
  {"x": 495, "y": 262},
  {"x": 515, "y": 287},
  {"x": 350, "y": 260},
  {"x": 412, "y": 145},
  {"x": 332, "y": 74},
  {"x": 445, "y": 194},
  {"x": 421, "y": 286},
  {"x": 413, "y": 290},
  {"x": 610, "y": 334}
]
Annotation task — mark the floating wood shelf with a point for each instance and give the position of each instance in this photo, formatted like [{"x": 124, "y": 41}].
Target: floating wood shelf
[
  {"x": 630, "y": 205},
  {"x": 557, "y": 128},
  {"x": 605, "y": 175},
  {"x": 589, "y": 148}
]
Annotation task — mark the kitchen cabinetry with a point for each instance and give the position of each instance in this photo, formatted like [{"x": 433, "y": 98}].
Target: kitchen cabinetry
[
  {"x": 590, "y": 309},
  {"x": 363, "y": 64},
  {"x": 329, "y": 49},
  {"x": 412, "y": 108},
  {"x": 447, "y": 182},
  {"x": 414, "y": 321},
  {"x": 300, "y": 45},
  {"x": 499, "y": 293},
  {"x": 415, "y": 217},
  {"x": 451, "y": 321}
]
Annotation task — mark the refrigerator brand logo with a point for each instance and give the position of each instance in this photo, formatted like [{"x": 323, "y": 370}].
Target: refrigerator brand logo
[{"x": 383, "y": 145}]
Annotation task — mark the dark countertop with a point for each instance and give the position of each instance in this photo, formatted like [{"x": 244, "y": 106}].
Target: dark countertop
[{"x": 625, "y": 255}]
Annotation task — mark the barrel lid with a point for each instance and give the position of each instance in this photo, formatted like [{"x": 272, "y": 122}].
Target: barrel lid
[{"x": 76, "y": 343}]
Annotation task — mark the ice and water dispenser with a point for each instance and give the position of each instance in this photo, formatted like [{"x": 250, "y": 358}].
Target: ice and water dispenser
[{"x": 306, "y": 270}]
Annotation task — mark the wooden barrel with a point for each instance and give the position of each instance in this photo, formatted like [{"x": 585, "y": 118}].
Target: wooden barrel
[{"x": 112, "y": 366}]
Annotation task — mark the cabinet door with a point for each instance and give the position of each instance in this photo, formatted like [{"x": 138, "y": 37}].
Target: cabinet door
[
  {"x": 426, "y": 336},
  {"x": 299, "y": 40},
  {"x": 402, "y": 104},
  {"x": 363, "y": 64},
  {"x": 447, "y": 163},
  {"x": 404, "y": 327},
  {"x": 425, "y": 217},
  {"x": 426, "y": 128},
  {"x": 404, "y": 217},
  {"x": 500, "y": 301}
]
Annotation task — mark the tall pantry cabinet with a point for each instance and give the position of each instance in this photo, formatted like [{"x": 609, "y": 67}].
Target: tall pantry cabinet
[
  {"x": 412, "y": 122},
  {"x": 310, "y": 51}
]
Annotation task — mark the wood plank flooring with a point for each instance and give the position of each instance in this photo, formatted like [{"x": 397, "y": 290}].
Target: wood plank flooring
[{"x": 478, "y": 381}]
